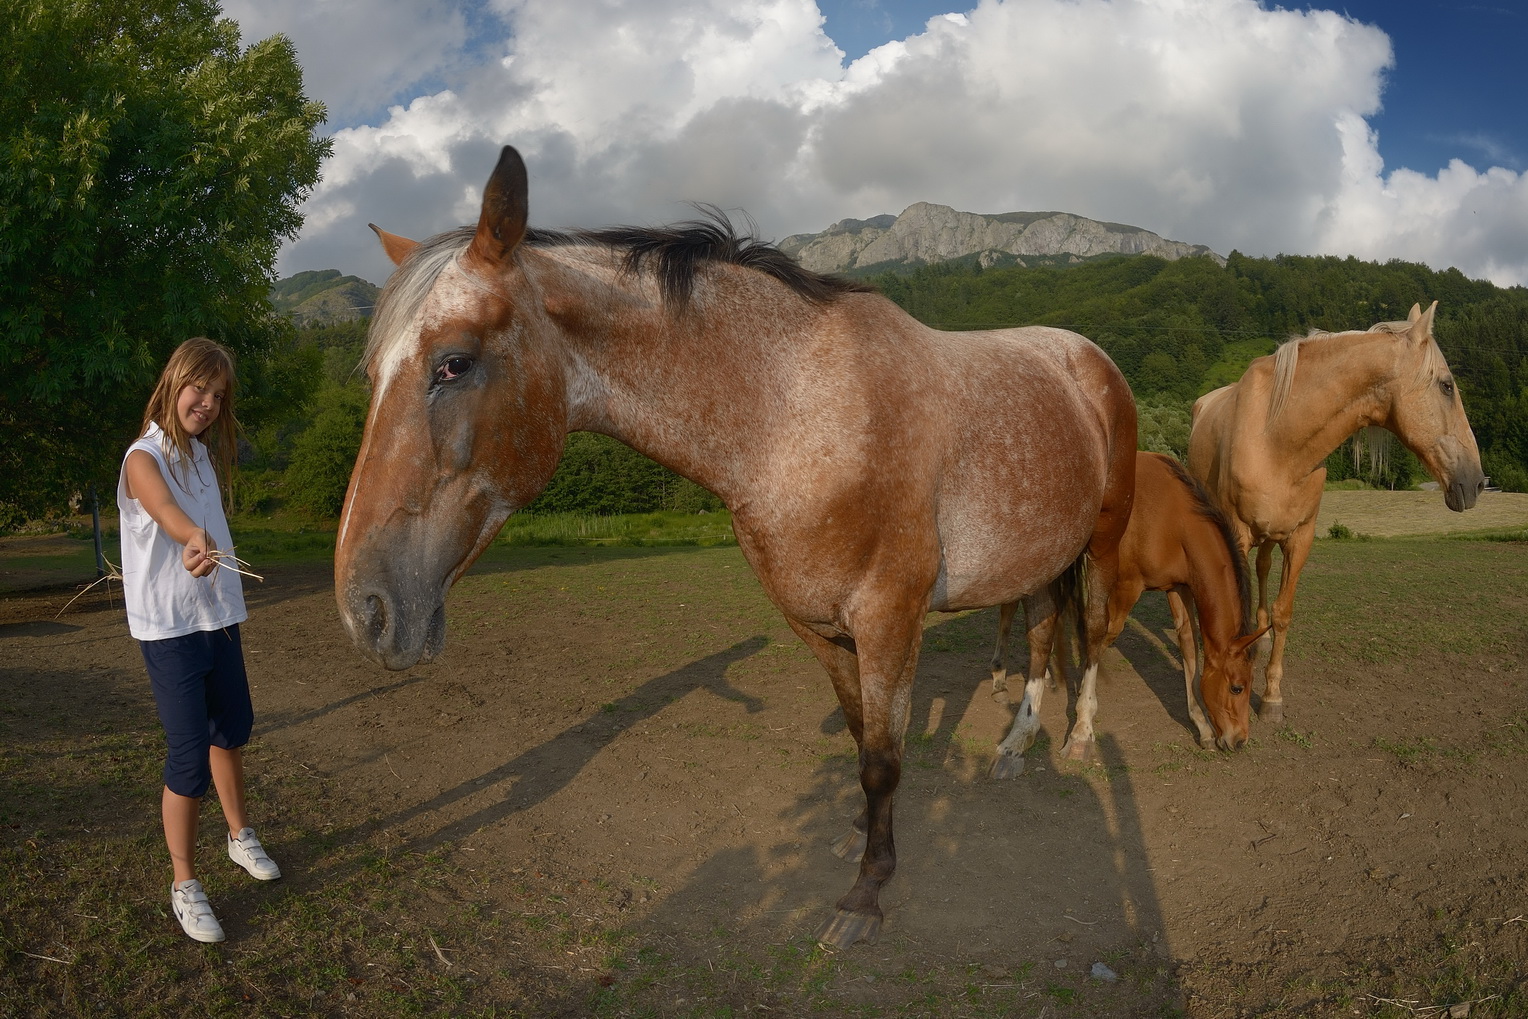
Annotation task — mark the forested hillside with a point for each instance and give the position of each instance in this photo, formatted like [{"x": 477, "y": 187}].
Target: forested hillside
[{"x": 1177, "y": 329}]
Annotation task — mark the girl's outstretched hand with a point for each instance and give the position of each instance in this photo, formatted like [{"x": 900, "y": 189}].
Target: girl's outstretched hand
[{"x": 196, "y": 557}]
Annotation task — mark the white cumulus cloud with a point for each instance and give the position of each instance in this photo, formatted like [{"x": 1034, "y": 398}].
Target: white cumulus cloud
[{"x": 1211, "y": 121}]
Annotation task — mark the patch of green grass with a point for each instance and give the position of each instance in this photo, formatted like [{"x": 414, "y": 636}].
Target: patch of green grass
[
  {"x": 1420, "y": 749},
  {"x": 1304, "y": 740},
  {"x": 1512, "y": 535},
  {"x": 1395, "y": 600},
  {"x": 634, "y": 529}
]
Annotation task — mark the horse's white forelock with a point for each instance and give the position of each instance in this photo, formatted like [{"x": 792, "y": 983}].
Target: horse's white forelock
[{"x": 397, "y": 318}]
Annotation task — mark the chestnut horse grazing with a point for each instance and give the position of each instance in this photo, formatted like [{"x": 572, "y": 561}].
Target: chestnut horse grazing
[
  {"x": 1177, "y": 541},
  {"x": 869, "y": 481},
  {"x": 1258, "y": 445}
]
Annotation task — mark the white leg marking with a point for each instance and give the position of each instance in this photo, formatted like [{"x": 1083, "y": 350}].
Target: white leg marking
[{"x": 1080, "y": 742}]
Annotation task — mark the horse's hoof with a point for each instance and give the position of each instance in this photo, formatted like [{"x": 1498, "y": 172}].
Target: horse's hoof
[
  {"x": 1006, "y": 766},
  {"x": 850, "y": 846},
  {"x": 999, "y": 684},
  {"x": 844, "y": 929},
  {"x": 1271, "y": 712},
  {"x": 1078, "y": 750}
]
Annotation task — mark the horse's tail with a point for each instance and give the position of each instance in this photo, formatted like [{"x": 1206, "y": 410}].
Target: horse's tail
[{"x": 1069, "y": 595}]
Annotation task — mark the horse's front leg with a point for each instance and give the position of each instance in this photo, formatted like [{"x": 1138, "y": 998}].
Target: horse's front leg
[
  {"x": 1181, "y": 601},
  {"x": 1296, "y": 550},
  {"x": 881, "y": 700},
  {"x": 838, "y": 656},
  {"x": 1264, "y": 566}
]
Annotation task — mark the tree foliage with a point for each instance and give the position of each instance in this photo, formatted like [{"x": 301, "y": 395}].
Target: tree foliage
[{"x": 151, "y": 168}]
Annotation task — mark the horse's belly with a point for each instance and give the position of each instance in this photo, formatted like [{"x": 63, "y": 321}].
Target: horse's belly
[{"x": 984, "y": 565}]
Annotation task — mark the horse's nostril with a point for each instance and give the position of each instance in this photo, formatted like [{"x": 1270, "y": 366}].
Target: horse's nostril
[{"x": 375, "y": 619}]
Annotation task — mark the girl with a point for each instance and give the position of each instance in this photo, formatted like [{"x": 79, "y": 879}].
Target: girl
[{"x": 185, "y": 612}]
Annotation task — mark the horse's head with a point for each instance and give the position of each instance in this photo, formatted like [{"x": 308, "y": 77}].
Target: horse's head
[
  {"x": 467, "y": 421},
  {"x": 1427, "y": 414},
  {"x": 1226, "y": 688}
]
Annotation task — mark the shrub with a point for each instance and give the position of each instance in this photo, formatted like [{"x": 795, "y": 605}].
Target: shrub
[{"x": 324, "y": 454}]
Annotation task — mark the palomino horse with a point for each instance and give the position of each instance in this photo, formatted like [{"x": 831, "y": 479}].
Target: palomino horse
[
  {"x": 1179, "y": 542},
  {"x": 868, "y": 481},
  {"x": 1258, "y": 444}
]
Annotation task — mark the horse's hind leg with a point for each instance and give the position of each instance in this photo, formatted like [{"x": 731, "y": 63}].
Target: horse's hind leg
[
  {"x": 1102, "y": 576},
  {"x": 1004, "y": 627},
  {"x": 1040, "y": 612}
]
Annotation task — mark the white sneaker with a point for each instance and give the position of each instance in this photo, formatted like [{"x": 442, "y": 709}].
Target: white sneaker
[
  {"x": 190, "y": 906},
  {"x": 246, "y": 850}
]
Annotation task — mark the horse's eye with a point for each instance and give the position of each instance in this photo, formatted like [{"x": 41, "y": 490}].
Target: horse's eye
[
  {"x": 452, "y": 368},
  {"x": 1236, "y": 689},
  {"x": 1447, "y": 385}
]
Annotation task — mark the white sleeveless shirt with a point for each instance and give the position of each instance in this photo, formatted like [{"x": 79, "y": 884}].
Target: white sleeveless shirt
[{"x": 163, "y": 599}]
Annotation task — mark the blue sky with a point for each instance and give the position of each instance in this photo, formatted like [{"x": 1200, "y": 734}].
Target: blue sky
[{"x": 1378, "y": 128}]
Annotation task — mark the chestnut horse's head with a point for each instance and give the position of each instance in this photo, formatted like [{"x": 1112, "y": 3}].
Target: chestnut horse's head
[
  {"x": 1225, "y": 685},
  {"x": 467, "y": 422},
  {"x": 1427, "y": 414}
]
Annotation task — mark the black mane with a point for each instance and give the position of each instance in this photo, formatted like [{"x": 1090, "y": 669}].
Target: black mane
[{"x": 677, "y": 252}]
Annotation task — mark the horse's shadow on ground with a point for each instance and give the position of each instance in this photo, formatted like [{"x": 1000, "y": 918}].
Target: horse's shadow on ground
[
  {"x": 948, "y": 829},
  {"x": 542, "y": 771}
]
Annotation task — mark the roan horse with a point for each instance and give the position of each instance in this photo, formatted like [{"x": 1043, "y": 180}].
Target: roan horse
[
  {"x": 1258, "y": 445},
  {"x": 1179, "y": 542},
  {"x": 868, "y": 481}
]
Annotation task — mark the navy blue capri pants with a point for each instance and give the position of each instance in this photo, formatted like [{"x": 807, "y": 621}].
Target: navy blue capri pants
[{"x": 202, "y": 694}]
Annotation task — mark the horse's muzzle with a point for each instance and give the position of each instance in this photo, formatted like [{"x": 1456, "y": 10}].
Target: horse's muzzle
[
  {"x": 395, "y": 632},
  {"x": 1463, "y": 491}
]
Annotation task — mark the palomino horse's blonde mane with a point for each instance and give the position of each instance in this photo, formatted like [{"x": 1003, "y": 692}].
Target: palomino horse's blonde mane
[{"x": 1287, "y": 357}]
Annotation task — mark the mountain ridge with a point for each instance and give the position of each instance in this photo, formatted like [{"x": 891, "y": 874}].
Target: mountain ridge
[
  {"x": 323, "y": 297},
  {"x": 923, "y": 234},
  {"x": 926, "y": 233}
]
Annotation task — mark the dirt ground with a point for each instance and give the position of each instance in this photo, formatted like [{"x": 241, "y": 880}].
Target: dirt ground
[{"x": 644, "y": 731}]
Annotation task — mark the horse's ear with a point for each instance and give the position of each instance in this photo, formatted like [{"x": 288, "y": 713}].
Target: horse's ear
[
  {"x": 397, "y": 248},
  {"x": 502, "y": 224},
  {"x": 1422, "y": 321},
  {"x": 1242, "y": 645}
]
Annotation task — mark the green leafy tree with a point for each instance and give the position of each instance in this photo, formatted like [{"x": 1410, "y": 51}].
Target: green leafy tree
[
  {"x": 601, "y": 476},
  {"x": 150, "y": 169},
  {"x": 324, "y": 454}
]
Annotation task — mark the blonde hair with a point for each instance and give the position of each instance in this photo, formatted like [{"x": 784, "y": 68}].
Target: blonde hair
[{"x": 197, "y": 362}]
